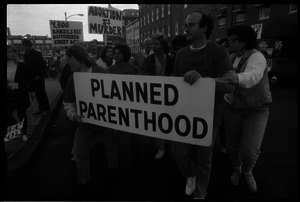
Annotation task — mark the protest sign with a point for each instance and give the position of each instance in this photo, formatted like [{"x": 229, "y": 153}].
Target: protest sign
[
  {"x": 14, "y": 131},
  {"x": 65, "y": 33},
  {"x": 104, "y": 21},
  {"x": 160, "y": 107}
]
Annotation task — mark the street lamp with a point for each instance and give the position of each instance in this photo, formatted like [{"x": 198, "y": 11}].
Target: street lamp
[{"x": 71, "y": 15}]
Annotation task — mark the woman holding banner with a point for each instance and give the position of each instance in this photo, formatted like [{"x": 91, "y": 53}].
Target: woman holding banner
[
  {"x": 160, "y": 64},
  {"x": 86, "y": 134},
  {"x": 247, "y": 107},
  {"x": 19, "y": 85}
]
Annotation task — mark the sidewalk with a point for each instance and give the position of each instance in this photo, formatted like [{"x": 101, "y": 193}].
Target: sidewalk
[{"x": 17, "y": 151}]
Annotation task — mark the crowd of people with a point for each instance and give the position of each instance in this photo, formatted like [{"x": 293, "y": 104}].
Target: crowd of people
[{"x": 241, "y": 107}]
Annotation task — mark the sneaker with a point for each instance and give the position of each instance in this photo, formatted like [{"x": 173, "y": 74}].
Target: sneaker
[
  {"x": 236, "y": 176},
  {"x": 24, "y": 138},
  {"x": 200, "y": 197},
  {"x": 190, "y": 185},
  {"x": 160, "y": 154},
  {"x": 251, "y": 182}
]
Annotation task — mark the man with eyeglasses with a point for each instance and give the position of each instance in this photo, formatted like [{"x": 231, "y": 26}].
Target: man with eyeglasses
[{"x": 201, "y": 59}]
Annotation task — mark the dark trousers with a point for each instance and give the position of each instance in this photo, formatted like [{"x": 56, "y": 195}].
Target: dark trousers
[{"x": 41, "y": 95}]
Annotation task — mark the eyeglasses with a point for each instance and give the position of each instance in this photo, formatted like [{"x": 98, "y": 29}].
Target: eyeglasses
[{"x": 189, "y": 25}]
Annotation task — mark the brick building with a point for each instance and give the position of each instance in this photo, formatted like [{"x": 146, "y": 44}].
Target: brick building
[
  {"x": 40, "y": 43},
  {"x": 132, "y": 36},
  {"x": 276, "y": 23},
  {"x": 128, "y": 16}
]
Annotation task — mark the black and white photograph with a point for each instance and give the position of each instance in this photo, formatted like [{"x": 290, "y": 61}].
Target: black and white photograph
[{"x": 151, "y": 102}]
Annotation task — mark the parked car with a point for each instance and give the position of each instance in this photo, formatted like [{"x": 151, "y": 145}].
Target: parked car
[{"x": 283, "y": 72}]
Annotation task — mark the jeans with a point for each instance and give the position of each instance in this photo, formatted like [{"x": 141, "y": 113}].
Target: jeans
[
  {"x": 85, "y": 136},
  {"x": 244, "y": 131},
  {"x": 182, "y": 155}
]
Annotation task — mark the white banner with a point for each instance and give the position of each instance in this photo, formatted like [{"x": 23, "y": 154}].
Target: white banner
[
  {"x": 65, "y": 33},
  {"x": 104, "y": 21},
  {"x": 14, "y": 131},
  {"x": 160, "y": 107}
]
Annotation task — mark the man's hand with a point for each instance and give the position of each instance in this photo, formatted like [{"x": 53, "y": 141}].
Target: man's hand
[
  {"x": 231, "y": 77},
  {"x": 78, "y": 119},
  {"x": 191, "y": 76}
]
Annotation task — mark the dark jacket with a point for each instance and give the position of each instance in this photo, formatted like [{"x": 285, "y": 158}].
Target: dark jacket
[
  {"x": 35, "y": 63},
  {"x": 65, "y": 74},
  {"x": 149, "y": 65},
  {"x": 21, "y": 95}
]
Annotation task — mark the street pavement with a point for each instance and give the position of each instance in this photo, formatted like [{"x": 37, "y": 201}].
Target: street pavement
[{"x": 18, "y": 151}]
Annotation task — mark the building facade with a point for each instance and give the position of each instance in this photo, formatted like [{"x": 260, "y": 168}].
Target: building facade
[
  {"x": 133, "y": 36},
  {"x": 40, "y": 43},
  {"x": 128, "y": 16},
  {"x": 276, "y": 24}
]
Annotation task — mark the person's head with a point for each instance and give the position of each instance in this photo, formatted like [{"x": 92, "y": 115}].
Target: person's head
[
  {"x": 92, "y": 46},
  {"x": 78, "y": 58},
  {"x": 241, "y": 37},
  {"x": 27, "y": 44},
  {"x": 147, "y": 44},
  {"x": 122, "y": 53},
  {"x": 160, "y": 43},
  {"x": 198, "y": 26},
  {"x": 107, "y": 53},
  {"x": 179, "y": 42},
  {"x": 12, "y": 53}
]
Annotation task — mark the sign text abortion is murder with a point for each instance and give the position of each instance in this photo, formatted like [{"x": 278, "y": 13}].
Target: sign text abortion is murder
[{"x": 104, "y": 21}]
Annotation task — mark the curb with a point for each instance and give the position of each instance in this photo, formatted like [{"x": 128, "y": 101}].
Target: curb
[{"x": 19, "y": 160}]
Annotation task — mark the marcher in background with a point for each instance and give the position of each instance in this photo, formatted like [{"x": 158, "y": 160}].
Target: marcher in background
[
  {"x": 123, "y": 65},
  {"x": 221, "y": 132},
  {"x": 86, "y": 133},
  {"x": 247, "y": 109},
  {"x": 92, "y": 50},
  {"x": 106, "y": 57},
  {"x": 19, "y": 88},
  {"x": 202, "y": 59},
  {"x": 179, "y": 42},
  {"x": 139, "y": 57},
  {"x": 160, "y": 64},
  {"x": 35, "y": 64}
]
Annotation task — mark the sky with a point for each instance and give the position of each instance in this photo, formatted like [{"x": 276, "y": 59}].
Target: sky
[{"x": 34, "y": 19}]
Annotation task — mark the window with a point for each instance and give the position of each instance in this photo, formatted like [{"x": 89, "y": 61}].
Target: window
[
  {"x": 141, "y": 22},
  {"x": 184, "y": 5},
  {"x": 163, "y": 30},
  {"x": 148, "y": 18},
  {"x": 169, "y": 31},
  {"x": 162, "y": 10},
  {"x": 240, "y": 17},
  {"x": 152, "y": 16},
  {"x": 144, "y": 20},
  {"x": 264, "y": 13},
  {"x": 293, "y": 8},
  {"x": 156, "y": 13},
  {"x": 169, "y": 9},
  {"x": 141, "y": 7},
  {"x": 176, "y": 28},
  {"x": 221, "y": 21},
  {"x": 132, "y": 13}
]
